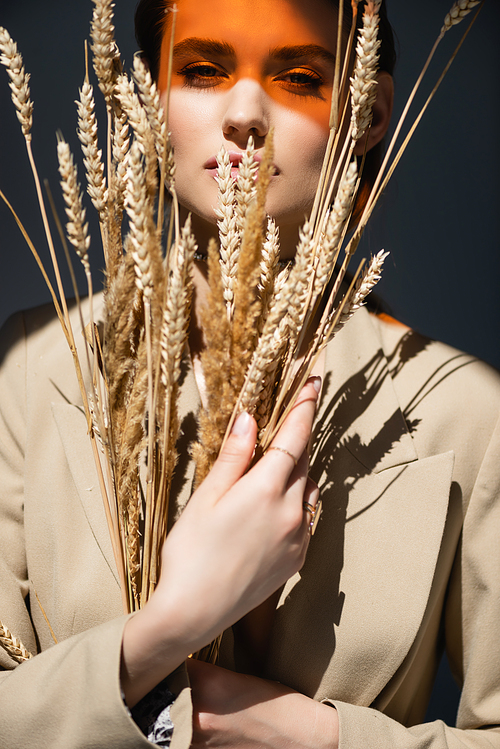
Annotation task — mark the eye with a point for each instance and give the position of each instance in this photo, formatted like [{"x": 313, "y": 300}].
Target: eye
[
  {"x": 301, "y": 81},
  {"x": 202, "y": 75}
]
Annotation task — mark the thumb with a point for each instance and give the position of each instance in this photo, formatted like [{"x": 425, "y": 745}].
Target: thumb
[{"x": 233, "y": 459}]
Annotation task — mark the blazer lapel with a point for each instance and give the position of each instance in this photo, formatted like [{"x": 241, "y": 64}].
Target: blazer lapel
[
  {"x": 72, "y": 427},
  {"x": 370, "y": 566}
]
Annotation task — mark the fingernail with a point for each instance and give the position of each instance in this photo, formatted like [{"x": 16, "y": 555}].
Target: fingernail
[
  {"x": 241, "y": 426},
  {"x": 315, "y": 381}
]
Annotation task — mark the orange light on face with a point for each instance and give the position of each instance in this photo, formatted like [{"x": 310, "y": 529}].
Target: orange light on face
[
  {"x": 241, "y": 67},
  {"x": 289, "y": 50}
]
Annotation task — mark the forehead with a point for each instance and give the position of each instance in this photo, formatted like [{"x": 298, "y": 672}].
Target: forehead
[{"x": 258, "y": 24}]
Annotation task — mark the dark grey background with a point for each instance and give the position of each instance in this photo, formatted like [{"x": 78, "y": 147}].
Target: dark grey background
[{"x": 439, "y": 218}]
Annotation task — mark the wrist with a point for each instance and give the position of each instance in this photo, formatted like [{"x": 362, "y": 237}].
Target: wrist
[
  {"x": 327, "y": 726},
  {"x": 150, "y": 652}
]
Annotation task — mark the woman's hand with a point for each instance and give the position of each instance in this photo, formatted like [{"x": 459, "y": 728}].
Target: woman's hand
[
  {"x": 236, "y": 710},
  {"x": 239, "y": 539}
]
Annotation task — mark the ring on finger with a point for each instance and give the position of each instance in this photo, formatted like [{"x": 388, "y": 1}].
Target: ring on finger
[
  {"x": 315, "y": 512},
  {"x": 283, "y": 450}
]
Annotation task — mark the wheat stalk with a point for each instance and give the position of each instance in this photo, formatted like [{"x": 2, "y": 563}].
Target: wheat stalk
[{"x": 13, "y": 645}]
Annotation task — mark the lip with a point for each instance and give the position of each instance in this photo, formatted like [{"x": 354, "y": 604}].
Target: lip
[{"x": 235, "y": 158}]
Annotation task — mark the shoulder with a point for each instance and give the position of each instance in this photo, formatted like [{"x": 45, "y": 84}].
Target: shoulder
[
  {"x": 416, "y": 361},
  {"x": 32, "y": 342},
  {"x": 450, "y": 399}
]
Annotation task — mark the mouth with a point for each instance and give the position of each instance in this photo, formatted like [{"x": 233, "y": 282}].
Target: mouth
[{"x": 235, "y": 157}]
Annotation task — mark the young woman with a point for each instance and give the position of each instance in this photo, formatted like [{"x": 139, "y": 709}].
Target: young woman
[{"x": 340, "y": 650}]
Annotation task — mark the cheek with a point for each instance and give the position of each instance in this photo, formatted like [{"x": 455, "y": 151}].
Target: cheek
[
  {"x": 190, "y": 119},
  {"x": 301, "y": 141}
]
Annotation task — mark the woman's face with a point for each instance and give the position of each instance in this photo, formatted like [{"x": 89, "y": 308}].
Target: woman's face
[{"x": 240, "y": 68}]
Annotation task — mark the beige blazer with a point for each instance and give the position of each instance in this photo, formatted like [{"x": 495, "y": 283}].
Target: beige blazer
[{"x": 407, "y": 549}]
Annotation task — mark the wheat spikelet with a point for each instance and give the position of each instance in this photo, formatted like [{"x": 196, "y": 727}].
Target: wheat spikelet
[
  {"x": 76, "y": 227},
  {"x": 229, "y": 236},
  {"x": 460, "y": 9},
  {"x": 136, "y": 204},
  {"x": 13, "y": 645},
  {"x": 106, "y": 54},
  {"x": 279, "y": 283},
  {"x": 19, "y": 80},
  {"x": 364, "y": 80},
  {"x": 92, "y": 155}
]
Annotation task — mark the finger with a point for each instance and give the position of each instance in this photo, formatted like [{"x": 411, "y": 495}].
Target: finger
[
  {"x": 233, "y": 459},
  {"x": 292, "y": 440}
]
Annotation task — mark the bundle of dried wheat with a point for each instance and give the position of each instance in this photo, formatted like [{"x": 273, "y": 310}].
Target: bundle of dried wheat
[{"x": 264, "y": 326}]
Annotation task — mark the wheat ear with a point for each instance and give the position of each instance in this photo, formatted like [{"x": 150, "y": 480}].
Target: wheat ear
[
  {"x": 268, "y": 269},
  {"x": 364, "y": 80},
  {"x": 357, "y": 298},
  {"x": 460, "y": 9},
  {"x": 92, "y": 155},
  {"x": 136, "y": 204},
  {"x": 19, "y": 81},
  {"x": 229, "y": 237},
  {"x": 13, "y": 645},
  {"x": 76, "y": 228},
  {"x": 245, "y": 185},
  {"x": 334, "y": 230},
  {"x": 131, "y": 104},
  {"x": 176, "y": 315},
  {"x": 106, "y": 54},
  {"x": 150, "y": 98}
]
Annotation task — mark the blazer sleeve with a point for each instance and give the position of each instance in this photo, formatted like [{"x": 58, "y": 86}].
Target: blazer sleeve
[
  {"x": 67, "y": 697},
  {"x": 472, "y": 625}
]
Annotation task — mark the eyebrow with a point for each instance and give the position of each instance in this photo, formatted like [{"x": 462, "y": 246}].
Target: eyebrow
[
  {"x": 298, "y": 51},
  {"x": 204, "y": 46},
  {"x": 284, "y": 54}
]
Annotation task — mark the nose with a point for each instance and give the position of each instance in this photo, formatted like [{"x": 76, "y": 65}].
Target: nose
[{"x": 246, "y": 113}]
